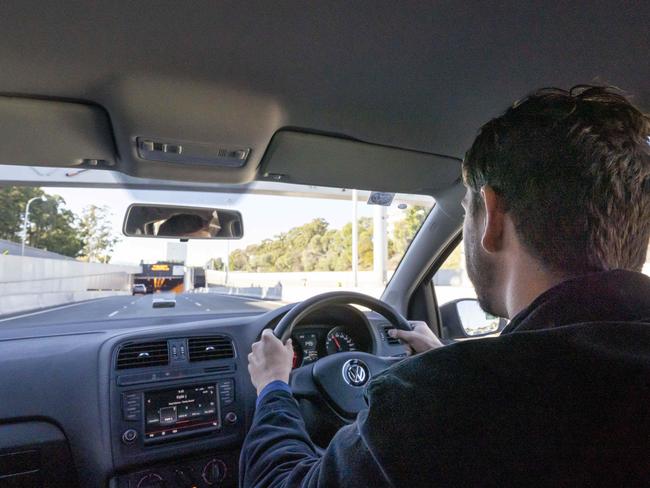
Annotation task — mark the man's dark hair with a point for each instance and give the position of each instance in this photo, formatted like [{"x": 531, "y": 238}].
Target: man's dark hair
[{"x": 573, "y": 169}]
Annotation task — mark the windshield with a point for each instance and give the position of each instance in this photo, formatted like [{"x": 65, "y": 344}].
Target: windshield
[{"x": 297, "y": 242}]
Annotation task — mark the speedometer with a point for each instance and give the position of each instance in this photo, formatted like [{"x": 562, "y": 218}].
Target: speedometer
[{"x": 338, "y": 340}]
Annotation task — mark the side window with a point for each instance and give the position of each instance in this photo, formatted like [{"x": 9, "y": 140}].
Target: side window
[
  {"x": 451, "y": 281},
  {"x": 461, "y": 315}
]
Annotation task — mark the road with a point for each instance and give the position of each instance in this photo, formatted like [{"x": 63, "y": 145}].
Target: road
[{"x": 126, "y": 306}]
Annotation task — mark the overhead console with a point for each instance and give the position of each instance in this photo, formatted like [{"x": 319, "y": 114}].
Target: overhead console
[{"x": 172, "y": 399}]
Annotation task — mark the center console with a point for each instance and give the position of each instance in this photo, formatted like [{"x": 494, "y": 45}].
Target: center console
[{"x": 176, "y": 413}]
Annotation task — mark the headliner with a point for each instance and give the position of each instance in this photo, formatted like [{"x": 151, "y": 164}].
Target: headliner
[{"x": 410, "y": 75}]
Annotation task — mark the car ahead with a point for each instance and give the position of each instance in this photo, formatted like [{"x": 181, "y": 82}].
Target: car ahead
[{"x": 139, "y": 289}]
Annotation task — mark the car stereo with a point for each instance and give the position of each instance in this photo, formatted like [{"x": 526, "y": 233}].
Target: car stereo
[{"x": 177, "y": 412}]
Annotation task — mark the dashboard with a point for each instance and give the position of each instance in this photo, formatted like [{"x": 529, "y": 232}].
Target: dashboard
[{"x": 148, "y": 402}]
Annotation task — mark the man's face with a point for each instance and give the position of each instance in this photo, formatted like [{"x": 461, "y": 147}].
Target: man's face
[{"x": 480, "y": 268}]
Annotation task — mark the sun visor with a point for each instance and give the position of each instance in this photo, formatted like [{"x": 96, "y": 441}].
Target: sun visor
[
  {"x": 324, "y": 160},
  {"x": 54, "y": 133}
]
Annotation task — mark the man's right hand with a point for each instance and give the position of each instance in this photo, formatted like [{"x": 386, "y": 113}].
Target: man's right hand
[{"x": 420, "y": 339}]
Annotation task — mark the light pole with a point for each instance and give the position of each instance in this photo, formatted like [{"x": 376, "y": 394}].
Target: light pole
[
  {"x": 26, "y": 221},
  {"x": 227, "y": 263}
]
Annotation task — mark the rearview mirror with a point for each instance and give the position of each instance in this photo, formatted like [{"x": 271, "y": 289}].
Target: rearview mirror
[
  {"x": 166, "y": 221},
  {"x": 465, "y": 318}
]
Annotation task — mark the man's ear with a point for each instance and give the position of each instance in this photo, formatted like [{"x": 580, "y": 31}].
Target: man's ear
[{"x": 492, "y": 239}]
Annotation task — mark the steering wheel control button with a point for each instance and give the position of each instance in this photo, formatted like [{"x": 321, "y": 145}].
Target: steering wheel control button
[
  {"x": 129, "y": 436},
  {"x": 355, "y": 372},
  {"x": 231, "y": 417}
]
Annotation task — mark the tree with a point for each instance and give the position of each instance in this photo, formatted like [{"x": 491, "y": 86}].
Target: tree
[
  {"x": 96, "y": 233},
  {"x": 309, "y": 247},
  {"x": 365, "y": 244},
  {"x": 12, "y": 205},
  {"x": 216, "y": 264},
  {"x": 238, "y": 260},
  {"x": 52, "y": 226},
  {"x": 405, "y": 229}
]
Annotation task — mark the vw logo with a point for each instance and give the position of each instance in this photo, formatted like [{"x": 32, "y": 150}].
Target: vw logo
[{"x": 355, "y": 372}]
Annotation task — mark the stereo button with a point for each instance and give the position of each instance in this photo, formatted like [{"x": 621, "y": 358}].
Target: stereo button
[
  {"x": 131, "y": 406},
  {"x": 227, "y": 392}
]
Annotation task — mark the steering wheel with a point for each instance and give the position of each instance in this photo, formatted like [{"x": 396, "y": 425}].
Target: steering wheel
[{"x": 339, "y": 378}]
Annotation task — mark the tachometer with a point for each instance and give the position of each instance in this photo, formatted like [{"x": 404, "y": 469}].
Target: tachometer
[{"x": 338, "y": 340}]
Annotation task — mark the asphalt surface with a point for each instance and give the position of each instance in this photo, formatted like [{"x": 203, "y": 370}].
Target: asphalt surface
[{"x": 125, "y": 306}]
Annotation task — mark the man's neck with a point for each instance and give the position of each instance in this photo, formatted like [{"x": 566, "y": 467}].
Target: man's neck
[{"x": 525, "y": 283}]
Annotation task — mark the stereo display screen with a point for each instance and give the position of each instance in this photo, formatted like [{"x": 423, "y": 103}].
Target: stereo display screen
[{"x": 181, "y": 410}]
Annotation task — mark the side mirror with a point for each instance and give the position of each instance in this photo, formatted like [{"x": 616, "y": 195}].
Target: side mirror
[
  {"x": 166, "y": 221},
  {"x": 464, "y": 318}
]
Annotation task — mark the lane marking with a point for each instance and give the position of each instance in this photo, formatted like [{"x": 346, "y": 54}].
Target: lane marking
[
  {"x": 207, "y": 309},
  {"x": 16, "y": 317},
  {"x": 197, "y": 304},
  {"x": 133, "y": 302},
  {"x": 113, "y": 313}
]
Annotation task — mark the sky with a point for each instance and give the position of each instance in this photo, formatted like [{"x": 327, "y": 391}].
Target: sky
[{"x": 264, "y": 216}]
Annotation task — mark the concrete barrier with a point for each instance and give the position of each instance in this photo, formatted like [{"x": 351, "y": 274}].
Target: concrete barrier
[
  {"x": 290, "y": 287},
  {"x": 28, "y": 283},
  {"x": 294, "y": 287},
  {"x": 261, "y": 292},
  {"x": 23, "y": 303}
]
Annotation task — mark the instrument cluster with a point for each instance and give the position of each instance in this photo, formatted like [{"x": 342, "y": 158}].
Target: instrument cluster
[{"x": 313, "y": 342}]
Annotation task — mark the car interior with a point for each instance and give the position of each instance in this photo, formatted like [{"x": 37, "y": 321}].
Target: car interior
[{"x": 230, "y": 96}]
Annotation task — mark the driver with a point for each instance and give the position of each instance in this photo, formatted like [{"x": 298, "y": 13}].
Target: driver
[
  {"x": 556, "y": 229},
  {"x": 184, "y": 225}
]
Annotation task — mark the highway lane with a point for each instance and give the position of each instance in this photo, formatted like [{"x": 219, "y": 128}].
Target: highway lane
[{"x": 126, "y": 306}]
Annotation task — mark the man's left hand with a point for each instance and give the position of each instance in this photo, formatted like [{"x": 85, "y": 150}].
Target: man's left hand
[{"x": 270, "y": 360}]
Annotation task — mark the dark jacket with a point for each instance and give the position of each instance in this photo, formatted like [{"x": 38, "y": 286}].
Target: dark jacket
[{"x": 561, "y": 399}]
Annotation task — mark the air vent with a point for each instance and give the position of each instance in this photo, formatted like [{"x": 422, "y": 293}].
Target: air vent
[
  {"x": 143, "y": 355},
  {"x": 391, "y": 341},
  {"x": 209, "y": 348}
]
